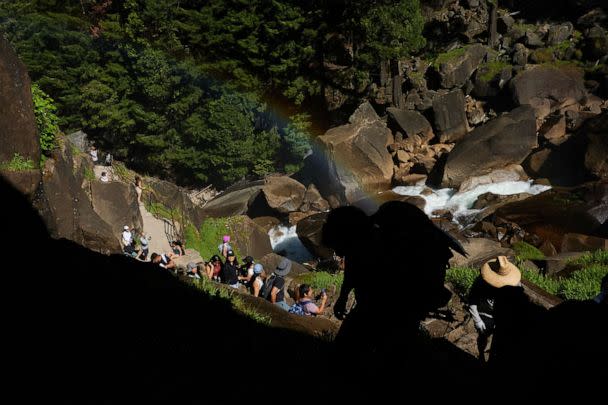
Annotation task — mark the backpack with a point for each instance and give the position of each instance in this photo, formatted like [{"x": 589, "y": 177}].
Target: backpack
[
  {"x": 267, "y": 287},
  {"x": 298, "y": 308}
]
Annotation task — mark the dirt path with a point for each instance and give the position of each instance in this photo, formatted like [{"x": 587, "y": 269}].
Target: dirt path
[{"x": 156, "y": 229}]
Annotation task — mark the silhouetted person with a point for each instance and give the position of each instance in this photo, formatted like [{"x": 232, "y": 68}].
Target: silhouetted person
[
  {"x": 395, "y": 261},
  {"x": 556, "y": 352},
  {"x": 494, "y": 274}
]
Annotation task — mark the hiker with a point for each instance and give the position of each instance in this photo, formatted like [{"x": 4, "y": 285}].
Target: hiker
[
  {"x": 127, "y": 240},
  {"x": 163, "y": 260},
  {"x": 213, "y": 268},
  {"x": 144, "y": 241},
  {"x": 230, "y": 270},
  {"x": 257, "y": 280},
  {"x": 305, "y": 304},
  {"x": 104, "y": 177},
  {"x": 274, "y": 288},
  {"x": 381, "y": 331},
  {"x": 138, "y": 188},
  {"x": 494, "y": 274},
  {"x": 176, "y": 247},
  {"x": 93, "y": 154},
  {"x": 224, "y": 247},
  {"x": 246, "y": 270},
  {"x": 192, "y": 271},
  {"x": 108, "y": 160}
]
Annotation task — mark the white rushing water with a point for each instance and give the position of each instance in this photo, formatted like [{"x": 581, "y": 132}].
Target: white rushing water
[
  {"x": 459, "y": 204},
  {"x": 285, "y": 242}
]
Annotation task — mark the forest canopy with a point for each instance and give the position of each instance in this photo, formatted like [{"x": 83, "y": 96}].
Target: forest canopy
[{"x": 197, "y": 91}]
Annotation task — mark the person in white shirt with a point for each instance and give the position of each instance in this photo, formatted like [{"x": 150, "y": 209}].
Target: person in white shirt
[
  {"x": 127, "y": 237},
  {"x": 93, "y": 153},
  {"x": 104, "y": 177}
]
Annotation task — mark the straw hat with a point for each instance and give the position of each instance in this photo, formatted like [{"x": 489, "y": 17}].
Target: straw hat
[{"x": 500, "y": 272}]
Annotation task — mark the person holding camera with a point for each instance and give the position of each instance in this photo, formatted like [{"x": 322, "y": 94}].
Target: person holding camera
[{"x": 306, "y": 303}]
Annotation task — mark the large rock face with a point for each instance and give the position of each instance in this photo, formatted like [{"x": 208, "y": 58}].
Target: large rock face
[
  {"x": 556, "y": 212},
  {"x": 174, "y": 198},
  {"x": 557, "y": 84},
  {"x": 283, "y": 194},
  {"x": 309, "y": 233},
  {"x": 354, "y": 158},
  {"x": 596, "y": 156},
  {"x": 18, "y": 133},
  {"x": 450, "y": 116},
  {"x": 505, "y": 140},
  {"x": 233, "y": 201},
  {"x": 410, "y": 123},
  {"x": 116, "y": 203},
  {"x": 455, "y": 71},
  {"x": 250, "y": 238},
  {"x": 66, "y": 208}
]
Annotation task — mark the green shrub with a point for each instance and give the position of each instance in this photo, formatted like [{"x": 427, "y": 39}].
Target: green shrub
[
  {"x": 321, "y": 279},
  {"x": 525, "y": 251},
  {"x": 461, "y": 279},
  {"x": 18, "y": 164},
  {"x": 46, "y": 120},
  {"x": 210, "y": 235}
]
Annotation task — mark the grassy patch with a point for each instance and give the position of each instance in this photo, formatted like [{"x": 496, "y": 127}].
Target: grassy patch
[
  {"x": 207, "y": 239},
  {"x": 321, "y": 279},
  {"x": 89, "y": 174},
  {"x": 160, "y": 211},
  {"x": 448, "y": 56},
  {"x": 525, "y": 251},
  {"x": 18, "y": 164},
  {"x": 583, "y": 284},
  {"x": 222, "y": 293},
  {"x": 490, "y": 70},
  {"x": 548, "y": 284},
  {"x": 461, "y": 279},
  {"x": 598, "y": 257}
]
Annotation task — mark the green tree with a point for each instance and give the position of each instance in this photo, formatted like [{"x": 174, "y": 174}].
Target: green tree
[{"x": 46, "y": 120}]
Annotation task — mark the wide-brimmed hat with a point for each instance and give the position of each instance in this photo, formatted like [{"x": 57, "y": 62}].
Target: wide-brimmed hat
[
  {"x": 283, "y": 268},
  {"x": 500, "y": 272},
  {"x": 191, "y": 266}
]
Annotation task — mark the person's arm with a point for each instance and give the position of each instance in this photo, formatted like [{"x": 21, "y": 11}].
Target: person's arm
[
  {"x": 319, "y": 310},
  {"x": 273, "y": 294},
  {"x": 170, "y": 265},
  {"x": 479, "y": 324},
  {"x": 256, "y": 289}
]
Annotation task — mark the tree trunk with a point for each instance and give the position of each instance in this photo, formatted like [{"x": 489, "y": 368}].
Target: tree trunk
[
  {"x": 397, "y": 83},
  {"x": 492, "y": 35}
]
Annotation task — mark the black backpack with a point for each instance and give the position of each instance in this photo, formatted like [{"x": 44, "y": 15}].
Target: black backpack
[{"x": 267, "y": 287}]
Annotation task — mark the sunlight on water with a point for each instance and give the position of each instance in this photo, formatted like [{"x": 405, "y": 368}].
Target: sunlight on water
[{"x": 459, "y": 204}]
